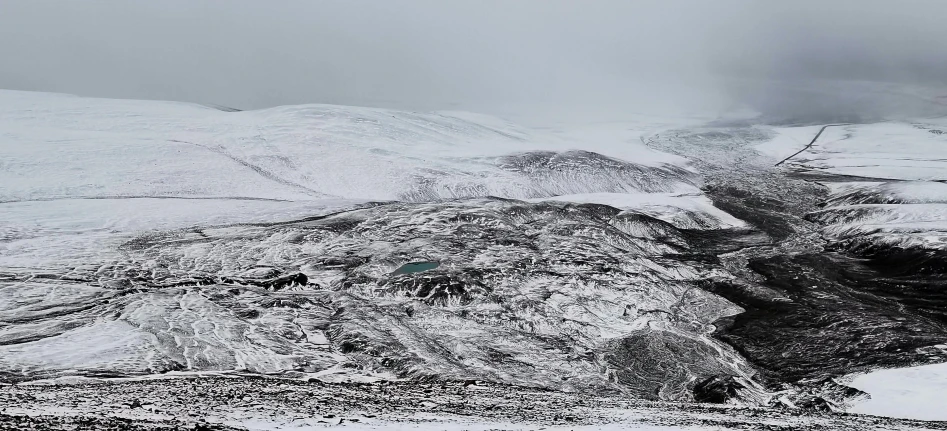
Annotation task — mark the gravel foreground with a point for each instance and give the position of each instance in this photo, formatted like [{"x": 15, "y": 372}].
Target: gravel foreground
[{"x": 237, "y": 403}]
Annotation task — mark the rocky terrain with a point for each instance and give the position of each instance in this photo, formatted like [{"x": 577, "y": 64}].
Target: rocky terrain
[
  {"x": 389, "y": 266},
  {"x": 247, "y": 402}
]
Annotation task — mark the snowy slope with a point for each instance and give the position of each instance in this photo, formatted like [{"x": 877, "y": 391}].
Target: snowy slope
[
  {"x": 145, "y": 237},
  {"x": 59, "y": 146},
  {"x": 915, "y": 393},
  {"x": 886, "y": 180},
  {"x": 66, "y": 233},
  {"x": 786, "y": 141},
  {"x": 87, "y": 173},
  {"x": 903, "y": 203},
  {"x": 887, "y": 201},
  {"x": 693, "y": 211},
  {"x": 595, "y": 295},
  {"x": 903, "y": 214},
  {"x": 890, "y": 150}
]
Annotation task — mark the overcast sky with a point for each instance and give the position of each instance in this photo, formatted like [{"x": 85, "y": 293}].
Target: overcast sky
[{"x": 435, "y": 53}]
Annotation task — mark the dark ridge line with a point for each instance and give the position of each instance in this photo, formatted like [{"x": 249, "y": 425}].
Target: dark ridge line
[
  {"x": 816, "y": 176},
  {"x": 357, "y": 207},
  {"x": 259, "y": 170},
  {"x": 811, "y": 143},
  {"x": 107, "y": 197},
  {"x": 222, "y": 107}
]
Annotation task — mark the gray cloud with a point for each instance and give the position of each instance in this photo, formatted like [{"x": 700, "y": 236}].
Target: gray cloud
[{"x": 472, "y": 53}]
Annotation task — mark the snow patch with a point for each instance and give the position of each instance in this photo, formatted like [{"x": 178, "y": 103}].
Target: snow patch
[
  {"x": 908, "y": 393},
  {"x": 682, "y": 211}
]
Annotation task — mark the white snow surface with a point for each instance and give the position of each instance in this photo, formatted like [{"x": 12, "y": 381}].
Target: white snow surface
[
  {"x": 61, "y": 146},
  {"x": 910, "y": 393},
  {"x": 896, "y": 195},
  {"x": 905, "y": 192},
  {"x": 890, "y": 150},
  {"x": 787, "y": 141},
  {"x": 86, "y": 174}
]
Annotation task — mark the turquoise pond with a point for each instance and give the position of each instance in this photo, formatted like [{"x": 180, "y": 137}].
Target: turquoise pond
[{"x": 410, "y": 268}]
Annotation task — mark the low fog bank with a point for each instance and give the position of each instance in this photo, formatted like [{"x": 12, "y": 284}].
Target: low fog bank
[
  {"x": 809, "y": 102},
  {"x": 792, "y": 61}
]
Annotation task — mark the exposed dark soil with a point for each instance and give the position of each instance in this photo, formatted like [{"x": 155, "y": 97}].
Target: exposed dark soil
[{"x": 828, "y": 310}]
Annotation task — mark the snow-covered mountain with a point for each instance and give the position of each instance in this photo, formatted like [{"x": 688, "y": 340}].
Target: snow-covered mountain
[
  {"x": 175, "y": 226},
  {"x": 673, "y": 262},
  {"x": 60, "y": 146},
  {"x": 888, "y": 203}
]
